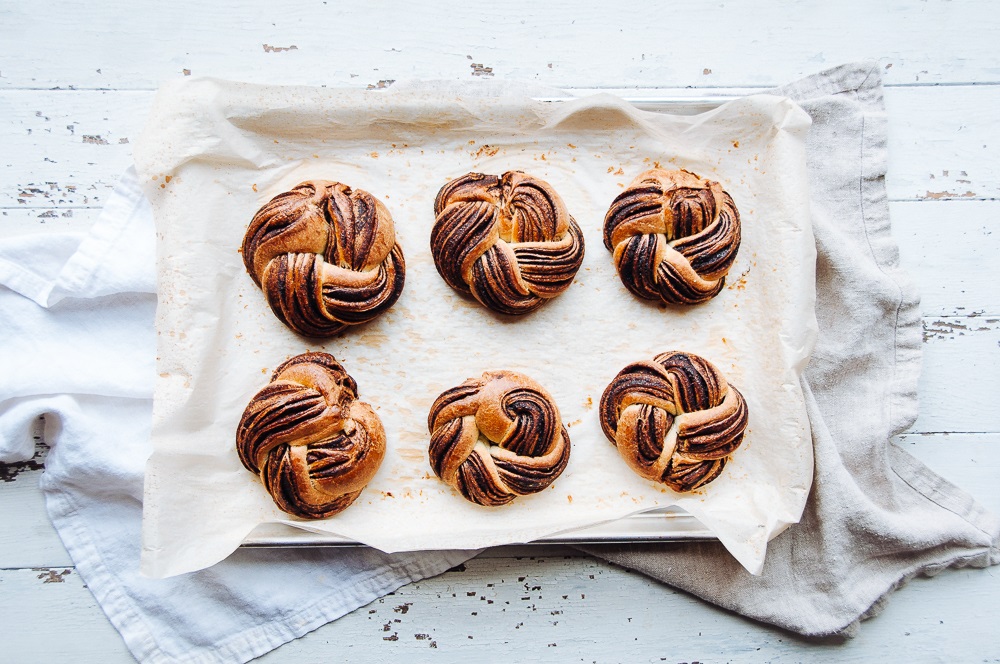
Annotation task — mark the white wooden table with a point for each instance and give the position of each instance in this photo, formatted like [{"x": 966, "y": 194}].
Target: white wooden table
[{"x": 76, "y": 80}]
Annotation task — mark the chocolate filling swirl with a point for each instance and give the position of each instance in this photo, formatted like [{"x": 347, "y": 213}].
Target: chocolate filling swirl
[
  {"x": 325, "y": 256},
  {"x": 497, "y": 437},
  {"x": 674, "y": 420},
  {"x": 674, "y": 236},
  {"x": 507, "y": 240},
  {"x": 308, "y": 438}
]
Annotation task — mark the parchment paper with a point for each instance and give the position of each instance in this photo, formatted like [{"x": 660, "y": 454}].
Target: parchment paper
[{"x": 214, "y": 151}]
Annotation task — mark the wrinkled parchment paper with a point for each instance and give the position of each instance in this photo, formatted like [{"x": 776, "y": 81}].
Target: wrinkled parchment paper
[{"x": 213, "y": 152}]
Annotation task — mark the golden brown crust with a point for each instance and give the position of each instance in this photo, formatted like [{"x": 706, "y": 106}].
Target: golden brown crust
[
  {"x": 507, "y": 240},
  {"x": 497, "y": 437},
  {"x": 309, "y": 439},
  {"x": 325, "y": 256},
  {"x": 674, "y": 236},
  {"x": 674, "y": 420}
]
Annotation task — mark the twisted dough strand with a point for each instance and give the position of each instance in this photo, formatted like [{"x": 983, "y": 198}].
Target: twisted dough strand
[
  {"x": 314, "y": 446},
  {"x": 507, "y": 240},
  {"x": 497, "y": 437},
  {"x": 673, "y": 235},
  {"x": 674, "y": 420},
  {"x": 325, "y": 256}
]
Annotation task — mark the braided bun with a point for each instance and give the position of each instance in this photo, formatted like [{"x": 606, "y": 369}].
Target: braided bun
[
  {"x": 309, "y": 439},
  {"x": 674, "y": 236},
  {"x": 674, "y": 419},
  {"x": 325, "y": 256},
  {"x": 497, "y": 437},
  {"x": 507, "y": 240}
]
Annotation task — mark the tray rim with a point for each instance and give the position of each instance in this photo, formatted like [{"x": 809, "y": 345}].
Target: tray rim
[{"x": 663, "y": 524}]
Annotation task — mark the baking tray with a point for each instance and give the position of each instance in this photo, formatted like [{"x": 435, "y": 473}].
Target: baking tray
[
  {"x": 664, "y": 524},
  {"x": 658, "y": 525}
]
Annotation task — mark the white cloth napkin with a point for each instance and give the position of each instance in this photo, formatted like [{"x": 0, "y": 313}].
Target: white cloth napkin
[{"x": 76, "y": 344}]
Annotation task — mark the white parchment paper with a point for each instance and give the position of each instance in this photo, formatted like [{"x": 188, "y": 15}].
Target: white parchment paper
[{"x": 213, "y": 152}]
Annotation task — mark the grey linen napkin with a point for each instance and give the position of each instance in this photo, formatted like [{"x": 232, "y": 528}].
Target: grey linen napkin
[{"x": 875, "y": 516}]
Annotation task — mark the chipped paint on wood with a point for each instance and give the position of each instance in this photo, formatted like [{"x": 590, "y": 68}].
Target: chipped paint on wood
[
  {"x": 942, "y": 329},
  {"x": 27, "y": 221},
  {"x": 945, "y": 329},
  {"x": 10, "y": 471},
  {"x": 51, "y": 575},
  {"x": 479, "y": 69},
  {"x": 959, "y": 376},
  {"x": 57, "y": 194},
  {"x": 938, "y": 195},
  {"x": 949, "y": 274}
]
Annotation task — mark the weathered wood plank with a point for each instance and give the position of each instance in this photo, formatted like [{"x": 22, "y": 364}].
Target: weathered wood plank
[
  {"x": 941, "y": 141},
  {"x": 28, "y": 538},
  {"x": 557, "y": 610},
  {"x": 27, "y": 221},
  {"x": 50, "y": 616},
  {"x": 67, "y": 149},
  {"x": 959, "y": 375},
  {"x": 561, "y": 43},
  {"x": 544, "y": 609},
  {"x": 947, "y": 247},
  {"x": 970, "y": 461}
]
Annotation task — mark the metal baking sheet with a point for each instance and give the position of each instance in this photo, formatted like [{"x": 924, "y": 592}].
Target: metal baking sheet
[
  {"x": 659, "y": 525},
  {"x": 665, "y": 524}
]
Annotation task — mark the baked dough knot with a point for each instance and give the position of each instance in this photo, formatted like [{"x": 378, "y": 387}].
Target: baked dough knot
[
  {"x": 507, "y": 240},
  {"x": 325, "y": 256},
  {"x": 674, "y": 236},
  {"x": 497, "y": 437},
  {"x": 308, "y": 438},
  {"x": 674, "y": 420}
]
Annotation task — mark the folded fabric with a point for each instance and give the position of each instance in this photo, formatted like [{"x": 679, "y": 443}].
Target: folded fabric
[
  {"x": 875, "y": 516},
  {"x": 76, "y": 334}
]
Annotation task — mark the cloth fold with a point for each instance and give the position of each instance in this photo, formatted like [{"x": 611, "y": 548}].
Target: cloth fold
[
  {"x": 876, "y": 516},
  {"x": 77, "y": 339}
]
